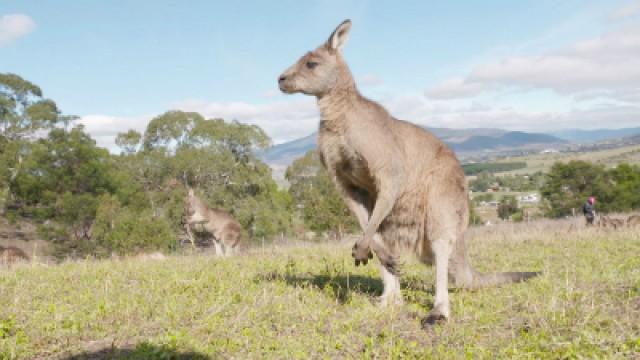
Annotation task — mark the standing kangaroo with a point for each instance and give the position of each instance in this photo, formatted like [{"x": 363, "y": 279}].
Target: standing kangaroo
[
  {"x": 224, "y": 229},
  {"x": 406, "y": 187}
]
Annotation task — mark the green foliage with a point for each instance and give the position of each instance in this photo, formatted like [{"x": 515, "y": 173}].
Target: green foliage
[
  {"x": 508, "y": 206},
  {"x": 477, "y": 199},
  {"x": 474, "y": 218},
  {"x": 485, "y": 180},
  {"x": 23, "y": 113},
  {"x": 23, "y": 110},
  {"x": 124, "y": 231},
  {"x": 88, "y": 201},
  {"x": 130, "y": 141},
  {"x": 570, "y": 184},
  {"x": 474, "y": 169},
  {"x": 316, "y": 197},
  {"x": 60, "y": 178},
  {"x": 214, "y": 156}
]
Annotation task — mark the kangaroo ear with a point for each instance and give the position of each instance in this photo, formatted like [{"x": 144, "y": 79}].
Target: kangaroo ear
[{"x": 339, "y": 37}]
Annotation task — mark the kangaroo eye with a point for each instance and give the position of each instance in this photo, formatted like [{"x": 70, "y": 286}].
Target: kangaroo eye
[{"x": 311, "y": 64}]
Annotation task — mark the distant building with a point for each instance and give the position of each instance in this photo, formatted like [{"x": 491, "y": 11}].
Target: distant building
[
  {"x": 549, "y": 151},
  {"x": 529, "y": 199}
]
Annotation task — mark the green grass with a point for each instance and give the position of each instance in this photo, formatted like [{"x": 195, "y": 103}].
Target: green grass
[
  {"x": 543, "y": 162},
  {"x": 311, "y": 302}
]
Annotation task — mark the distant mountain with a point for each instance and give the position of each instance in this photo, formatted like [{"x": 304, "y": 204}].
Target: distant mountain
[
  {"x": 460, "y": 140},
  {"x": 579, "y": 135},
  {"x": 508, "y": 140},
  {"x": 285, "y": 153}
]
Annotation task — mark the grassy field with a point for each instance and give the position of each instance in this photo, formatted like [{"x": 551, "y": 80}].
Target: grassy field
[
  {"x": 309, "y": 301},
  {"x": 543, "y": 162}
]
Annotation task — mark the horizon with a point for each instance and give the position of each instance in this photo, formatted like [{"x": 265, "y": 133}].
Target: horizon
[{"x": 536, "y": 67}]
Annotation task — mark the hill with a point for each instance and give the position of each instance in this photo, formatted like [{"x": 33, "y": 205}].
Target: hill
[
  {"x": 461, "y": 140},
  {"x": 579, "y": 135},
  {"x": 543, "y": 161},
  {"x": 309, "y": 301}
]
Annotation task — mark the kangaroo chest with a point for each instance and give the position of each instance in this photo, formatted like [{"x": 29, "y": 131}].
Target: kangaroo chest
[{"x": 342, "y": 159}]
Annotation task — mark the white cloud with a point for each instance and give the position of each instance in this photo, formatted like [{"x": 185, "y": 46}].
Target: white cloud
[
  {"x": 15, "y": 26},
  {"x": 610, "y": 62},
  {"x": 456, "y": 114},
  {"x": 105, "y": 128},
  {"x": 626, "y": 11},
  {"x": 283, "y": 120},
  {"x": 455, "y": 88}
]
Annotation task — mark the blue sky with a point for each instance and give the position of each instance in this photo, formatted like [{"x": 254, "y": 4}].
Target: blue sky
[{"x": 527, "y": 65}]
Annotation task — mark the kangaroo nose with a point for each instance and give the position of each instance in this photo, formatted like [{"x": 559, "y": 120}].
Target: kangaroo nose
[{"x": 281, "y": 79}]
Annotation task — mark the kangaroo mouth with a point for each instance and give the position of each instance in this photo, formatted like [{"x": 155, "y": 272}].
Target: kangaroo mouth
[{"x": 286, "y": 88}]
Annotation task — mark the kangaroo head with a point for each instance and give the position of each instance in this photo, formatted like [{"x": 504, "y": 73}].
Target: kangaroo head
[{"x": 321, "y": 70}]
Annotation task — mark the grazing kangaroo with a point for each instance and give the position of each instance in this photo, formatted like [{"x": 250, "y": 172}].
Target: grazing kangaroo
[
  {"x": 224, "y": 229},
  {"x": 12, "y": 254},
  {"x": 633, "y": 220},
  {"x": 608, "y": 222},
  {"x": 406, "y": 187}
]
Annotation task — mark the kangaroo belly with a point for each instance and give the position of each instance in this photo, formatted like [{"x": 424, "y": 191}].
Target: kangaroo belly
[{"x": 404, "y": 227}]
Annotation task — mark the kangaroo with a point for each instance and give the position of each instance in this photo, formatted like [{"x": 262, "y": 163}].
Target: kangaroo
[
  {"x": 633, "y": 220},
  {"x": 608, "y": 222},
  {"x": 224, "y": 229},
  {"x": 405, "y": 187},
  {"x": 12, "y": 254}
]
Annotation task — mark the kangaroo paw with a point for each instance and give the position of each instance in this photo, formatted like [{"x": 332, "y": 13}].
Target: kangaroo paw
[{"x": 361, "y": 254}]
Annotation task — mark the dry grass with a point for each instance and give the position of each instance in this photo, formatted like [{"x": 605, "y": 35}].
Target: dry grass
[{"x": 309, "y": 301}]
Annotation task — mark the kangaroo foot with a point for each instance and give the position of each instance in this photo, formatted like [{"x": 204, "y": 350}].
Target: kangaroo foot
[{"x": 439, "y": 315}]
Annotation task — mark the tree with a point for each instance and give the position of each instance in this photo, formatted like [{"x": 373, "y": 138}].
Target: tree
[
  {"x": 508, "y": 206},
  {"x": 215, "y": 156},
  {"x": 316, "y": 197},
  {"x": 23, "y": 113},
  {"x": 23, "y": 109},
  {"x": 129, "y": 142},
  {"x": 61, "y": 179},
  {"x": 569, "y": 184},
  {"x": 171, "y": 130},
  {"x": 626, "y": 193},
  {"x": 482, "y": 182}
]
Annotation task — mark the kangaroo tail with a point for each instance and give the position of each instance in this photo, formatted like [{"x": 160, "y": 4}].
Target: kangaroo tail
[{"x": 464, "y": 276}]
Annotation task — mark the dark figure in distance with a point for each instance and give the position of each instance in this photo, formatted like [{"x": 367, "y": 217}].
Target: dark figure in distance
[{"x": 589, "y": 210}]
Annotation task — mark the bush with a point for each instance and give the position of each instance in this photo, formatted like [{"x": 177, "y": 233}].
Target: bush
[
  {"x": 569, "y": 185},
  {"x": 508, "y": 206},
  {"x": 123, "y": 231}
]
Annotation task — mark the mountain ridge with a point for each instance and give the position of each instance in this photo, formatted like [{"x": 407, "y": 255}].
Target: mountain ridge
[{"x": 460, "y": 140}]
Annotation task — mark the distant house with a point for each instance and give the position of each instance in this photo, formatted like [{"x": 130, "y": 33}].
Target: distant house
[
  {"x": 529, "y": 199},
  {"x": 549, "y": 151}
]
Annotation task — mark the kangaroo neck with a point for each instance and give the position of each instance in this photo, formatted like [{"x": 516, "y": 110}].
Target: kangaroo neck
[{"x": 337, "y": 103}]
